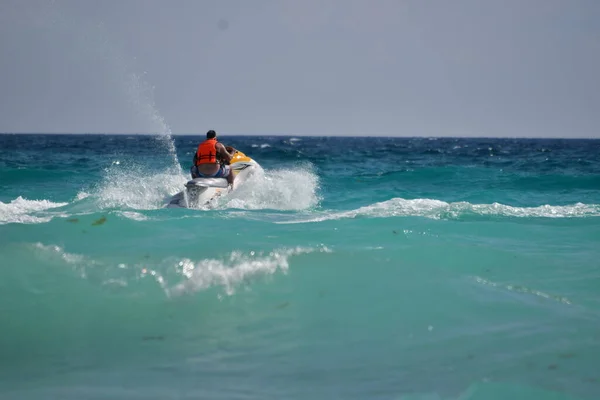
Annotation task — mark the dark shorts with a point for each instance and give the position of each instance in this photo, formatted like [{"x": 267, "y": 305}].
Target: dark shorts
[{"x": 223, "y": 172}]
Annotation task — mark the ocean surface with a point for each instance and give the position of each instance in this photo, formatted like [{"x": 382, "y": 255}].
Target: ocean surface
[{"x": 349, "y": 268}]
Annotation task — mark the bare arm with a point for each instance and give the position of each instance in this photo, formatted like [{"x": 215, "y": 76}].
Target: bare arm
[{"x": 226, "y": 155}]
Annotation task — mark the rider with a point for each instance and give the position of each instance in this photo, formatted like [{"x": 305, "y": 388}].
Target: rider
[{"x": 207, "y": 157}]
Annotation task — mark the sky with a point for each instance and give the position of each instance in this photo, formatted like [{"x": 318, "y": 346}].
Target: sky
[{"x": 504, "y": 68}]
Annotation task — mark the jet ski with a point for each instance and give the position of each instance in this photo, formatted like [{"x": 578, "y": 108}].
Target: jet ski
[{"x": 200, "y": 192}]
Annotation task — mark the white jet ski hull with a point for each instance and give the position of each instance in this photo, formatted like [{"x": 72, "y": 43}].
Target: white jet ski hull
[{"x": 200, "y": 192}]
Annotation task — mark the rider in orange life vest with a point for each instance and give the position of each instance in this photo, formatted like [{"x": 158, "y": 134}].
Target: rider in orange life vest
[{"x": 207, "y": 157}]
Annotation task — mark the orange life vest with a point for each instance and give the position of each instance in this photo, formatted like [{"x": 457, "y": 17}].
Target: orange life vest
[{"x": 207, "y": 152}]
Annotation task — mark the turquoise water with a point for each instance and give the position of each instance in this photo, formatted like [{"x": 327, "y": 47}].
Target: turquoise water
[{"x": 355, "y": 268}]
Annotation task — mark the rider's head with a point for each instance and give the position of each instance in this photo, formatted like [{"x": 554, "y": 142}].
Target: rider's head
[{"x": 211, "y": 134}]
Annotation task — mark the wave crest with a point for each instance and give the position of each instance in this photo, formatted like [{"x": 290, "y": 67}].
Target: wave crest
[
  {"x": 231, "y": 272},
  {"x": 437, "y": 209},
  {"x": 24, "y": 211},
  {"x": 179, "y": 276}
]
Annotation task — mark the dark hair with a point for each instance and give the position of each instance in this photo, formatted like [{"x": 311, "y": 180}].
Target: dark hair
[{"x": 211, "y": 134}]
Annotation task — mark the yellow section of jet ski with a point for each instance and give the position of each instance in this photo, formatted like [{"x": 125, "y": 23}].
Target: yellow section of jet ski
[{"x": 239, "y": 157}]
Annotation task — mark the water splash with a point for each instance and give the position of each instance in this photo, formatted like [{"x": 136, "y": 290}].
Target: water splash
[
  {"x": 132, "y": 187},
  {"x": 280, "y": 189},
  {"x": 141, "y": 94}
]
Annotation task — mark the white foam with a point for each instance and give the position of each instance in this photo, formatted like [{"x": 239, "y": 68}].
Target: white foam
[
  {"x": 58, "y": 251},
  {"x": 437, "y": 209},
  {"x": 289, "y": 189},
  {"x": 82, "y": 195},
  {"x": 230, "y": 272},
  {"x": 134, "y": 188},
  {"x": 133, "y": 215},
  {"x": 96, "y": 270},
  {"x": 23, "y": 211},
  {"x": 76, "y": 261}
]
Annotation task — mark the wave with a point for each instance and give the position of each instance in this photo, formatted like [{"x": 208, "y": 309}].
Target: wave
[
  {"x": 230, "y": 272},
  {"x": 177, "y": 276},
  {"x": 54, "y": 252},
  {"x": 133, "y": 215},
  {"x": 437, "y": 209},
  {"x": 522, "y": 289},
  {"x": 24, "y": 211}
]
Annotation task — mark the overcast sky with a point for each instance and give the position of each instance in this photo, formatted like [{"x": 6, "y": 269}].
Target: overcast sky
[{"x": 305, "y": 67}]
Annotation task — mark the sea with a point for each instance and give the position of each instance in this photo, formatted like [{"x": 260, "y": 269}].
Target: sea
[{"x": 421, "y": 268}]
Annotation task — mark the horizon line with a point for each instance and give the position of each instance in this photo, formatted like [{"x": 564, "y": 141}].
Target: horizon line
[{"x": 303, "y": 135}]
